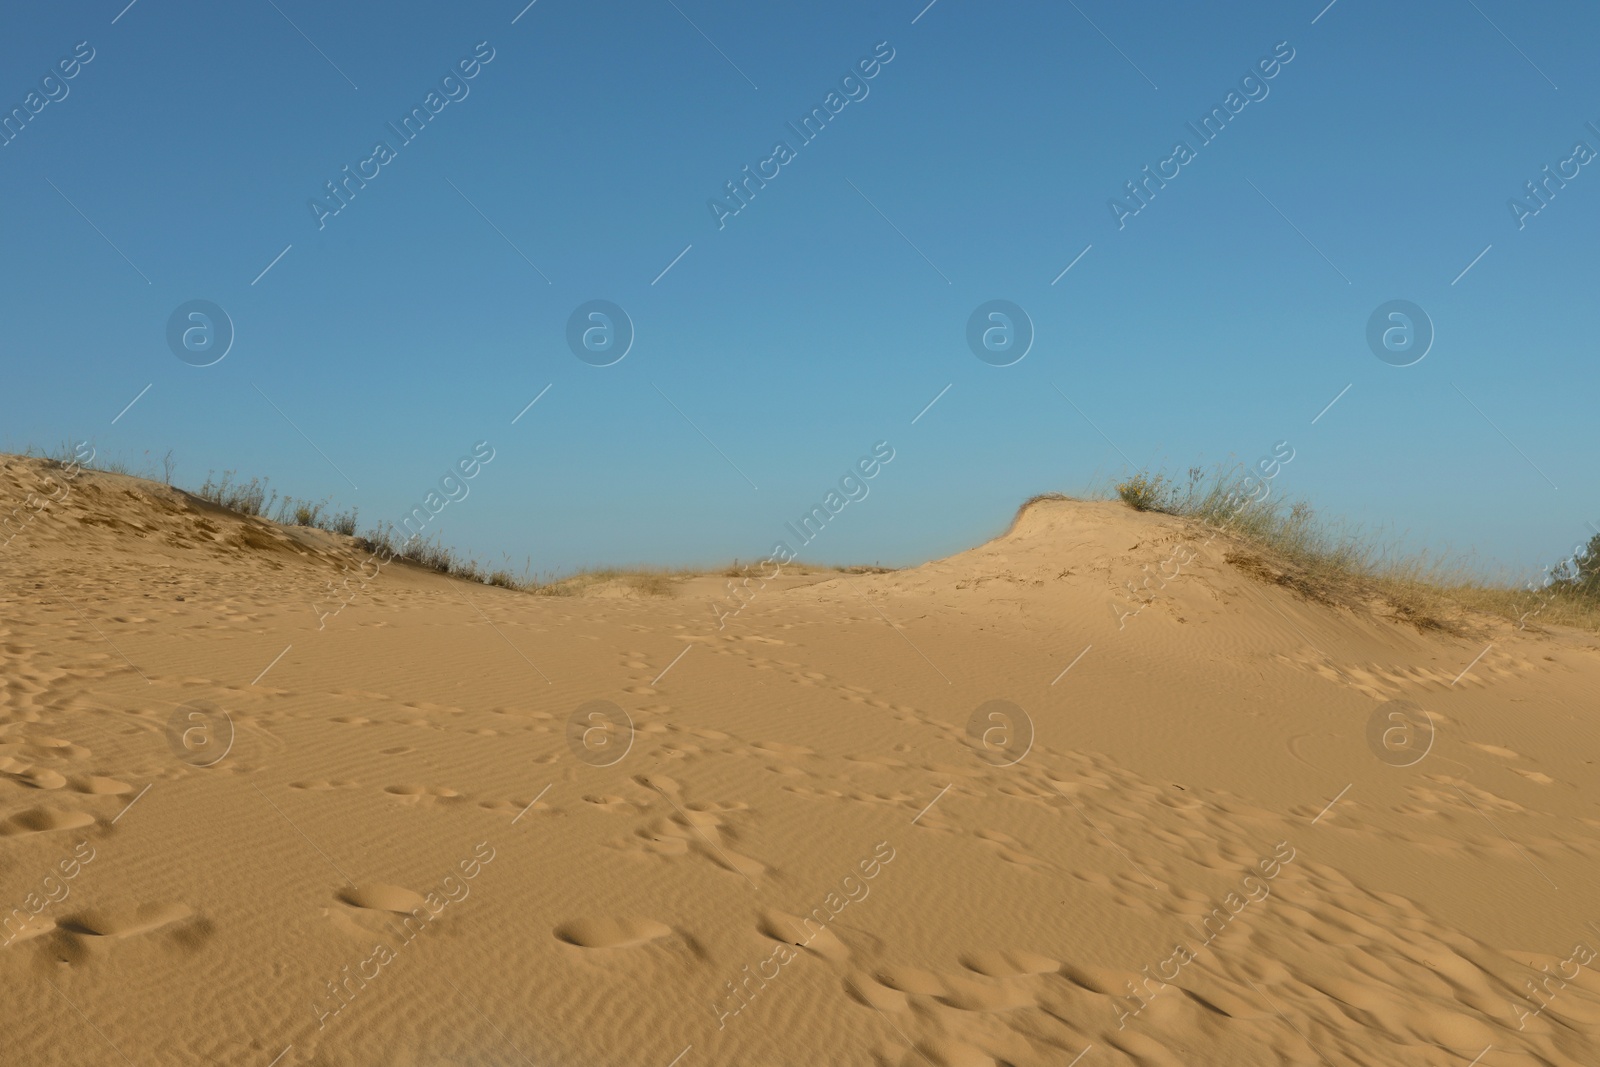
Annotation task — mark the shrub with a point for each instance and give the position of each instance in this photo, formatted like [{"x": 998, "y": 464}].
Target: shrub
[
  {"x": 1147, "y": 492},
  {"x": 343, "y": 523}
]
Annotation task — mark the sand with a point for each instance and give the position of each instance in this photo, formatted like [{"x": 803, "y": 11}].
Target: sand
[{"x": 236, "y": 828}]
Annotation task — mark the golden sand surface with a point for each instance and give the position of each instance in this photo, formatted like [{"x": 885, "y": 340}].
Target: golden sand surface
[{"x": 996, "y": 809}]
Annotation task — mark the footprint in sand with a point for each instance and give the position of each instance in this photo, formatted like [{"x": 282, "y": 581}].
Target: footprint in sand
[
  {"x": 1010, "y": 849},
  {"x": 37, "y": 777},
  {"x": 700, "y": 826},
  {"x": 96, "y": 785},
  {"x": 611, "y": 803},
  {"x": 813, "y": 936},
  {"x": 40, "y": 747},
  {"x": 377, "y": 896},
  {"x": 610, "y": 933},
  {"x": 778, "y": 748},
  {"x": 43, "y": 821},
  {"x": 127, "y": 922},
  {"x": 421, "y": 794},
  {"x": 1016, "y": 964},
  {"x": 867, "y": 990},
  {"x": 965, "y": 994},
  {"x": 83, "y": 933}
]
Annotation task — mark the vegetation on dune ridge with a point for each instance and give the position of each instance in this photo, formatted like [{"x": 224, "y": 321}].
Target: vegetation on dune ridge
[
  {"x": 1323, "y": 559},
  {"x": 255, "y": 498},
  {"x": 1332, "y": 561}
]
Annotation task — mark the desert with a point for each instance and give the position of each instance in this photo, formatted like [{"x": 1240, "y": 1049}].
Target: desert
[
  {"x": 994, "y": 604},
  {"x": 387, "y": 841}
]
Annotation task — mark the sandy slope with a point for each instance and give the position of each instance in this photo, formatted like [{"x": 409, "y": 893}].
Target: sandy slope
[{"x": 1160, "y": 879}]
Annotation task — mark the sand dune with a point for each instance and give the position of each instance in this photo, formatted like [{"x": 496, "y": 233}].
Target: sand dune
[{"x": 1191, "y": 834}]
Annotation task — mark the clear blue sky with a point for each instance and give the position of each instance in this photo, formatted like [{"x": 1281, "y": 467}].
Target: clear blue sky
[{"x": 828, "y": 312}]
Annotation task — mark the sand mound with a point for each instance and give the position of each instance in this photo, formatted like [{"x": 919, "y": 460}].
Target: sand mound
[{"x": 1089, "y": 793}]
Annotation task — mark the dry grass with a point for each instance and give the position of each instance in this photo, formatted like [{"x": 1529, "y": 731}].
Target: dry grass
[
  {"x": 151, "y": 468},
  {"x": 1040, "y": 498},
  {"x": 428, "y": 552},
  {"x": 1284, "y": 541},
  {"x": 246, "y": 498},
  {"x": 256, "y": 499}
]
